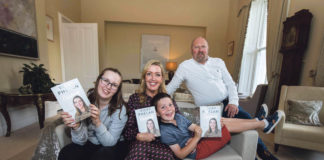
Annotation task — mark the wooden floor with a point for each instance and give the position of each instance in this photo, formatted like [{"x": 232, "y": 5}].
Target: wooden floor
[
  {"x": 22, "y": 143},
  {"x": 290, "y": 153}
]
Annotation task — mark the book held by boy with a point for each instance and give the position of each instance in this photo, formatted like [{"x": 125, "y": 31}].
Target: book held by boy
[
  {"x": 210, "y": 121},
  {"x": 73, "y": 99},
  {"x": 147, "y": 121}
]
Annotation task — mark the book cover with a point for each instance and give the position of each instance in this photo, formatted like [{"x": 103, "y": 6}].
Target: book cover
[
  {"x": 210, "y": 121},
  {"x": 147, "y": 121},
  {"x": 73, "y": 99}
]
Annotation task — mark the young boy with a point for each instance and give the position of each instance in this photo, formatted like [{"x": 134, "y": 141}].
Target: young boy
[{"x": 176, "y": 130}]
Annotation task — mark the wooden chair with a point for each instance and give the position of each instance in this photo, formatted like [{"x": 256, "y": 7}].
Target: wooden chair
[{"x": 252, "y": 104}]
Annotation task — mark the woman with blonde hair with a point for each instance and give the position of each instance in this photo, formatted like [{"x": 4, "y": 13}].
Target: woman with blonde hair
[{"x": 145, "y": 145}]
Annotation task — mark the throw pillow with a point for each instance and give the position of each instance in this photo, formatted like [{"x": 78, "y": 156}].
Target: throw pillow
[
  {"x": 191, "y": 113},
  {"x": 304, "y": 112}
]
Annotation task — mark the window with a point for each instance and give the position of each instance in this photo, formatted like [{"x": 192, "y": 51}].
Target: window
[{"x": 253, "y": 66}]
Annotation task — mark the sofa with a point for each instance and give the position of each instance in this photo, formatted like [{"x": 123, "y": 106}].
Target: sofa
[
  {"x": 297, "y": 135},
  {"x": 128, "y": 89},
  {"x": 241, "y": 147}
]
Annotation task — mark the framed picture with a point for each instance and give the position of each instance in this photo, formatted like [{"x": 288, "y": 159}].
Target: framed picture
[
  {"x": 296, "y": 32},
  {"x": 154, "y": 47},
  {"x": 49, "y": 28},
  {"x": 18, "y": 33},
  {"x": 230, "y": 48}
]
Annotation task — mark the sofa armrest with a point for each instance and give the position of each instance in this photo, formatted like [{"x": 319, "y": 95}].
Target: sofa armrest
[
  {"x": 245, "y": 144},
  {"x": 278, "y": 130},
  {"x": 63, "y": 135}
]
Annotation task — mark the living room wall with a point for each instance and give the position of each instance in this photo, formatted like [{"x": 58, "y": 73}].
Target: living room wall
[
  {"x": 70, "y": 9},
  {"x": 208, "y": 13},
  {"x": 11, "y": 78},
  {"x": 123, "y": 44},
  {"x": 49, "y": 54},
  {"x": 316, "y": 37}
]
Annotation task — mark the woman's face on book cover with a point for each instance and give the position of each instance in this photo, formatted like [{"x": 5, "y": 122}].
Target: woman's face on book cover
[
  {"x": 108, "y": 84},
  {"x": 78, "y": 103},
  {"x": 212, "y": 124},
  {"x": 150, "y": 125},
  {"x": 165, "y": 109}
]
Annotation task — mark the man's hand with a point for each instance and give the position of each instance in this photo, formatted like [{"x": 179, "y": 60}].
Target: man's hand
[{"x": 232, "y": 110}]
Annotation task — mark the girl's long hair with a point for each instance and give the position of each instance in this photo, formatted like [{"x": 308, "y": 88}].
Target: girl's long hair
[{"x": 116, "y": 101}]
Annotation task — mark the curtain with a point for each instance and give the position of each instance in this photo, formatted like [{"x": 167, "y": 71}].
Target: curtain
[
  {"x": 253, "y": 65},
  {"x": 277, "y": 13},
  {"x": 243, "y": 17}
]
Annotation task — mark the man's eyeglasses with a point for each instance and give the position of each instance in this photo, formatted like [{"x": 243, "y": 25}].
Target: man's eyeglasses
[
  {"x": 200, "y": 47},
  {"x": 106, "y": 82}
]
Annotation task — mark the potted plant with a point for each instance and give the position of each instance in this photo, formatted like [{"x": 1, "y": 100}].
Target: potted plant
[{"x": 35, "y": 79}]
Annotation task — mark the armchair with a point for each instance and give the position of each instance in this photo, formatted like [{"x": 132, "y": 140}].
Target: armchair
[
  {"x": 302, "y": 136},
  {"x": 252, "y": 105}
]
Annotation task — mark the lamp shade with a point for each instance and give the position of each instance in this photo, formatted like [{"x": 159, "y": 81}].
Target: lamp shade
[{"x": 171, "y": 66}]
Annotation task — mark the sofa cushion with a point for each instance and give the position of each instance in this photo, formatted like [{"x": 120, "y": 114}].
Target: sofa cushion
[
  {"x": 227, "y": 153},
  {"x": 183, "y": 97},
  {"x": 304, "y": 112},
  {"x": 303, "y": 132}
]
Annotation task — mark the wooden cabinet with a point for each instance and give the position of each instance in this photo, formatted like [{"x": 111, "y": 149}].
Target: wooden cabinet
[{"x": 293, "y": 46}]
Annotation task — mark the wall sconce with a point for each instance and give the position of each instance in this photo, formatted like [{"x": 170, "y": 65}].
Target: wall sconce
[{"x": 171, "y": 67}]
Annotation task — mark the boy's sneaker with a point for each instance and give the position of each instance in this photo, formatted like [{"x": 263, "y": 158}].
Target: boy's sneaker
[
  {"x": 273, "y": 121},
  {"x": 263, "y": 112}
]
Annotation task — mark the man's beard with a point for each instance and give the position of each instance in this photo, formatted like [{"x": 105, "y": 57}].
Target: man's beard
[{"x": 201, "y": 57}]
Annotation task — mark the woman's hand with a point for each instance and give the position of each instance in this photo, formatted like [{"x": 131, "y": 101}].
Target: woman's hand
[
  {"x": 95, "y": 115},
  {"x": 69, "y": 121},
  {"x": 146, "y": 137}
]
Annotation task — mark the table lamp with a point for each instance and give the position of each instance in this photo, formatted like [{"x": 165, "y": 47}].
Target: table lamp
[{"x": 171, "y": 67}]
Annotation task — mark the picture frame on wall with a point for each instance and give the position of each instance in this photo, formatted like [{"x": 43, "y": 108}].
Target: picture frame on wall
[
  {"x": 19, "y": 41},
  {"x": 230, "y": 48},
  {"x": 154, "y": 47},
  {"x": 49, "y": 28}
]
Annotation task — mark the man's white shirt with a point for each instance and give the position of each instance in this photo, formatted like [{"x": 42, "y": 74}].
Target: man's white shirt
[{"x": 209, "y": 83}]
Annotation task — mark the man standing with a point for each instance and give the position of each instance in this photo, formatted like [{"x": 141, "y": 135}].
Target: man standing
[{"x": 209, "y": 82}]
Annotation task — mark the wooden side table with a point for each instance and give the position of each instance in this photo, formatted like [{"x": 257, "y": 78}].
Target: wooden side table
[{"x": 14, "y": 98}]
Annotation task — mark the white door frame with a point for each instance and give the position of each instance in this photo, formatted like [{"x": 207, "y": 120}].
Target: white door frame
[{"x": 62, "y": 19}]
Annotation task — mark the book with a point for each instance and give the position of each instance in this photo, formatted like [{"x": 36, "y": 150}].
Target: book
[
  {"x": 73, "y": 99},
  {"x": 210, "y": 121},
  {"x": 147, "y": 121}
]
